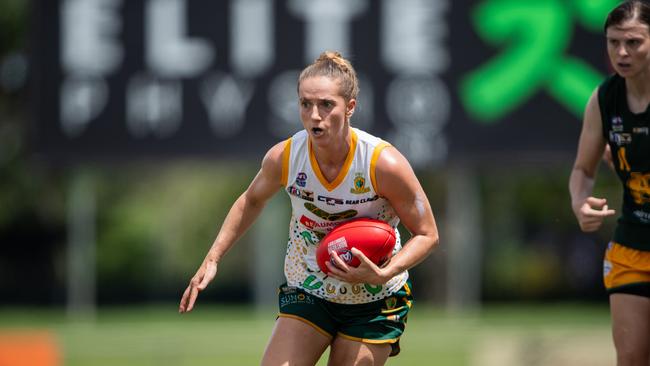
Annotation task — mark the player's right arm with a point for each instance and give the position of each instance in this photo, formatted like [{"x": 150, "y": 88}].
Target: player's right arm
[
  {"x": 590, "y": 211},
  {"x": 240, "y": 217}
]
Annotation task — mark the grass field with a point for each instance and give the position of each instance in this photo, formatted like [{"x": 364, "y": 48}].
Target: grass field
[{"x": 216, "y": 335}]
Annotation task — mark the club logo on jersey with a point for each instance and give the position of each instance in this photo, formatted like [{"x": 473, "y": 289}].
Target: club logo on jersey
[
  {"x": 359, "y": 184},
  {"x": 640, "y": 130},
  {"x": 301, "y": 179},
  {"x": 301, "y": 193}
]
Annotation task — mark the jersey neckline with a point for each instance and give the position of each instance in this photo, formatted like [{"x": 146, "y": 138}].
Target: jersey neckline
[{"x": 330, "y": 186}]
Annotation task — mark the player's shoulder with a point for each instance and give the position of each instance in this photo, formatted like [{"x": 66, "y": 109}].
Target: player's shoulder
[
  {"x": 385, "y": 155},
  {"x": 609, "y": 87},
  {"x": 283, "y": 147},
  {"x": 366, "y": 137},
  {"x": 275, "y": 155}
]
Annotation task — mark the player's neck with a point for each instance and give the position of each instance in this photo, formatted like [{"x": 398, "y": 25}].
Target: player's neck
[
  {"x": 639, "y": 86},
  {"x": 331, "y": 158}
]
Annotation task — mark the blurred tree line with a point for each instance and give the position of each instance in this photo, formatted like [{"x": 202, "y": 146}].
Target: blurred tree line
[{"x": 156, "y": 220}]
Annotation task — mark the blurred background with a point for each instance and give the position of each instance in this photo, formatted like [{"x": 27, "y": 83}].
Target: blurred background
[{"x": 128, "y": 128}]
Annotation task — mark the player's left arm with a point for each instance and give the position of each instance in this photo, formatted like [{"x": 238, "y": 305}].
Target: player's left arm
[{"x": 396, "y": 181}]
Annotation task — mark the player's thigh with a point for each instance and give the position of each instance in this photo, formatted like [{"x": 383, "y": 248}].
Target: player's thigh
[
  {"x": 294, "y": 342},
  {"x": 631, "y": 324},
  {"x": 346, "y": 352}
]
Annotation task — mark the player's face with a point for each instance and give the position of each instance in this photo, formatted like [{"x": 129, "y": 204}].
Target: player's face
[
  {"x": 628, "y": 46},
  {"x": 323, "y": 110}
]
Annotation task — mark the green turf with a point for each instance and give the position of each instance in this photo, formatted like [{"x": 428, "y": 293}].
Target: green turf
[{"x": 218, "y": 335}]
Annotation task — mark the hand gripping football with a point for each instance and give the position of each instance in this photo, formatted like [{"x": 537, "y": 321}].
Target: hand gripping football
[{"x": 375, "y": 238}]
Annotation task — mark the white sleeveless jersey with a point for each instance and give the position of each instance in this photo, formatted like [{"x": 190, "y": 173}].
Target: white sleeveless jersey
[{"x": 318, "y": 206}]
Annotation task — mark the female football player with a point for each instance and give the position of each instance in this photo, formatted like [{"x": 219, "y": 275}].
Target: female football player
[
  {"x": 618, "y": 115},
  {"x": 332, "y": 173}
]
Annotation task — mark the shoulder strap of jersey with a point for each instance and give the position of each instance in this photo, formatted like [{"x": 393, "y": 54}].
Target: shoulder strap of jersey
[
  {"x": 607, "y": 102},
  {"x": 285, "y": 161}
]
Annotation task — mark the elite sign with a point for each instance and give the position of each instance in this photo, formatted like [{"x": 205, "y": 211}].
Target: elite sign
[{"x": 117, "y": 79}]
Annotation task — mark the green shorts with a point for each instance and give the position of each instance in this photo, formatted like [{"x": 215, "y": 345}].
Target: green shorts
[{"x": 377, "y": 322}]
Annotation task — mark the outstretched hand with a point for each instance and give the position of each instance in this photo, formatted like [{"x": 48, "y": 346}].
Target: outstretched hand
[
  {"x": 198, "y": 283},
  {"x": 367, "y": 271},
  {"x": 592, "y": 212}
]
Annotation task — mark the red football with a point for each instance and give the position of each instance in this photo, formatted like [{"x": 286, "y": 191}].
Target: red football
[{"x": 375, "y": 238}]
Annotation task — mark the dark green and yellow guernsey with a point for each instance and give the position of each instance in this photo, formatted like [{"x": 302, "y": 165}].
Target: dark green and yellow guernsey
[{"x": 628, "y": 135}]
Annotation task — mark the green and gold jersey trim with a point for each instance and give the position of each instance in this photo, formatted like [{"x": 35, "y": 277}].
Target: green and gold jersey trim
[
  {"x": 285, "y": 161},
  {"x": 373, "y": 163}
]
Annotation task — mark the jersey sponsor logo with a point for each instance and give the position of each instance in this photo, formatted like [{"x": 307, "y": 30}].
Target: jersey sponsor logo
[
  {"x": 301, "y": 179},
  {"x": 311, "y": 224},
  {"x": 296, "y": 298},
  {"x": 330, "y": 200},
  {"x": 362, "y": 200},
  {"x": 301, "y": 193},
  {"x": 620, "y": 138},
  {"x": 641, "y": 130},
  {"x": 287, "y": 289},
  {"x": 359, "y": 184},
  {"x": 642, "y": 216}
]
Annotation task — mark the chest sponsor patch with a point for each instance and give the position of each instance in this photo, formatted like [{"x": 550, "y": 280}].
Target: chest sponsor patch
[
  {"x": 619, "y": 139},
  {"x": 301, "y": 193}
]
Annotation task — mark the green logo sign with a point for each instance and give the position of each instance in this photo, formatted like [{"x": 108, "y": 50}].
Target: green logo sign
[{"x": 534, "y": 36}]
